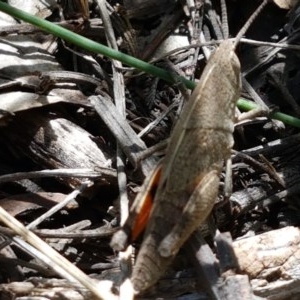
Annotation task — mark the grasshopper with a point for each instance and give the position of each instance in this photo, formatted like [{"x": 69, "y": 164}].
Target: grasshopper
[{"x": 188, "y": 180}]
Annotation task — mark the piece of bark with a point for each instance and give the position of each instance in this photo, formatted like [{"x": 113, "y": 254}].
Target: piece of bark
[
  {"x": 13, "y": 102},
  {"x": 129, "y": 141},
  {"x": 22, "y": 55},
  {"x": 17, "y": 204},
  {"x": 272, "y": 260},
  {"x": 263, "y": 192},
  {"x": 276, "y": 147},
  {"x": 52, "y": 142}
]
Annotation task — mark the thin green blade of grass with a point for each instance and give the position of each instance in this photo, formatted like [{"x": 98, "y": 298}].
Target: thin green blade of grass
[
  {"x": 98, "y": 48},
  {"x": 247, "y": 105}
]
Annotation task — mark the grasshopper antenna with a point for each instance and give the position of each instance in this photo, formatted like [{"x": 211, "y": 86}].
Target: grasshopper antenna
[
  {"x": 224, "y": 20},
  {"x": 249, "y": 22}
]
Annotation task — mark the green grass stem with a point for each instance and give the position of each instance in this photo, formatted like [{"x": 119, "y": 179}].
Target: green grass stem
[{"x": 128, "y": 60}]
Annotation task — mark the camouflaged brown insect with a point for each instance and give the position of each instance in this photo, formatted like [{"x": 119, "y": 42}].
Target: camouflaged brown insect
[{"x": 200, "y": 143}]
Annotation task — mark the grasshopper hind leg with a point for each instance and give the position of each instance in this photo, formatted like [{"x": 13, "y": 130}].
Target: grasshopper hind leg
[{"x": 195, "y": 212}]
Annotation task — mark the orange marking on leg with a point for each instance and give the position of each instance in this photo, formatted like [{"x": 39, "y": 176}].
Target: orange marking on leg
[{"x": 143, "y": 216}]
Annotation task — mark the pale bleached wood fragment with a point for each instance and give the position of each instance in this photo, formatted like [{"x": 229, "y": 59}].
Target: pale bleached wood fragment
[{"x": 272, "y": 261}]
